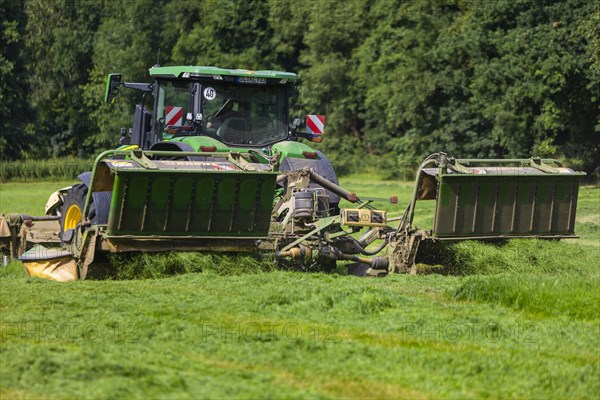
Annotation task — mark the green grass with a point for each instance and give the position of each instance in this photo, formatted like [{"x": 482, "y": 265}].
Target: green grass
[
  {"x": 547, "y": 295},
  {"x": 28, "y": 198},
  {"x": 515, "y": 256},
  {"x": 520, "y": 319}
]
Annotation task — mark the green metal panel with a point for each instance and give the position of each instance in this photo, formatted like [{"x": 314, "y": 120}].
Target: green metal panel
[
  {"x": 291, "y": 149},
  {"x": 198, "y": 141},
  {"x": 472, "y": 205},
  {"x": 199, "y": 203}
]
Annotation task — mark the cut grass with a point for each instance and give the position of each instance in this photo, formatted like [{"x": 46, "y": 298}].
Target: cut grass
[
  {"x": 152, "y": 266},
  {"x": 522, "y": 323},
  {"x": 523, "y": 256},
  {"x": 284, "y": 334}
]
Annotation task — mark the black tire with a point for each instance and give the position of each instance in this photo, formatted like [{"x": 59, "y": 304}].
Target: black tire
[{"x": 75, "y": 198}]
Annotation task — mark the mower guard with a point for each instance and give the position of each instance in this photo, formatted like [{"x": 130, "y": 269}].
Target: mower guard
[{"x": 485, "y": 199}]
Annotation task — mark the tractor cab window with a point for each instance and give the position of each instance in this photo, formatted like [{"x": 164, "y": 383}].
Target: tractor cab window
[
  {"x": 244, "y": 115},
  {"x": 174, "y": 102}
]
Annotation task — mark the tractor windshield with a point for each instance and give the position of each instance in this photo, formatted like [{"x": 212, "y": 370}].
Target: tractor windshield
[
  {"x": 244, "y": 115},
  {"x": 235, "y": 114}
]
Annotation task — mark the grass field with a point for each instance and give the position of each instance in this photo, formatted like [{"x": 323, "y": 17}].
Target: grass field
[{"x": 519, "y": 320}]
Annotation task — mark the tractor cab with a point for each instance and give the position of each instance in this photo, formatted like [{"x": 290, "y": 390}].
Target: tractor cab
[
  {"x": 236, "y": 108},
  {"x": 237, "y": 115}
]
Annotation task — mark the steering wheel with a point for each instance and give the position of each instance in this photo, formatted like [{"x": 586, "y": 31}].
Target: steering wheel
[{"x": 225, "y": 107}]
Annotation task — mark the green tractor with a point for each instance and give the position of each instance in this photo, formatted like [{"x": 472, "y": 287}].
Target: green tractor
[
  {"x": 220, "y": 112},
  {"x": 214, "y": 163}
]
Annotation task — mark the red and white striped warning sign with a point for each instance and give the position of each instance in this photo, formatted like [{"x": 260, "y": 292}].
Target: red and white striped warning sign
[
  {"x": 174, "y": 116},
  {"x": 315, "y": 123}
]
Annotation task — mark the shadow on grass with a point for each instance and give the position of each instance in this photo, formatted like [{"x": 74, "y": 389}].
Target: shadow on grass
[{"x": 160, "y": 265}]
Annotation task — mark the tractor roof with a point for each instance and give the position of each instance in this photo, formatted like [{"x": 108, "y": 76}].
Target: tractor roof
[{"x": 199, "y": 71}]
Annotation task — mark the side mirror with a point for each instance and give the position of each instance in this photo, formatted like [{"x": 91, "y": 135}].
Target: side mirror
[{"x": 112, "y": 87}]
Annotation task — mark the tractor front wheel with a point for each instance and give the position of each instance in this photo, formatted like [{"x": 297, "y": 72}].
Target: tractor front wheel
[{"x": 72, "y": 209}]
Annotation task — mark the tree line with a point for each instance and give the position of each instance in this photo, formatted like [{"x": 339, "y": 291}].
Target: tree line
[{"x": 396, "y": 79}]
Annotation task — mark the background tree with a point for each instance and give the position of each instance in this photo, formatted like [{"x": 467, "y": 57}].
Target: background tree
[
  {"x": 127, "y": 41},
  {"x": 396, "y": 79},
  {"x": 59, "y": 36},
  {"x": 13, "y": 100}
]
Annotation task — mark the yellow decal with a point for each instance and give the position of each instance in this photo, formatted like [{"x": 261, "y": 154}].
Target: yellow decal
[{"x": 362, "y": 217}]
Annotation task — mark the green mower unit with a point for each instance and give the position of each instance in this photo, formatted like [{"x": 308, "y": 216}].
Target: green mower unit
[{"x": 213, "y": 163}]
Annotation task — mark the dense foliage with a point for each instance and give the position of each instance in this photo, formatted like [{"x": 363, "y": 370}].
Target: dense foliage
[{"x": 396, "y": 79}]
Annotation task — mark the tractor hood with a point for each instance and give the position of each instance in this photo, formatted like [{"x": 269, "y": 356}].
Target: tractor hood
[{"x": 198, "y": 142}]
